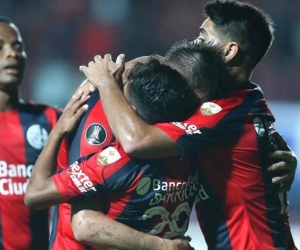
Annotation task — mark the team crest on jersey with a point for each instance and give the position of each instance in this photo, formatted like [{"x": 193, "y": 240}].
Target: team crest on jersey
[
  {"x": 36, "y": 136},
  {"x": 95, "y": 134},
  {"x": 210, "y": 108},
  {"x": 108, "y": 156}
]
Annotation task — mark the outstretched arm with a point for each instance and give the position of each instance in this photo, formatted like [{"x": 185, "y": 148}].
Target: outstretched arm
[
  {"x": 137, "y": 138},
  {"x": 93, "y": 228},
  {"x": 41, "y": 191}
]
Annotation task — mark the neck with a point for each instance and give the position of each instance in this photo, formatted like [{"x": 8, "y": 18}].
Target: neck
[
  {"x": 241, "y": 75},
  {"x": 9, "y": 101}
]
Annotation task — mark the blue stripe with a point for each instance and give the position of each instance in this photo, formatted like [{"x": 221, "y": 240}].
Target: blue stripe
[
  {"x": 75, "y": 138},
  {"x": 215, "y": 227},
  {"x": 30, "y": 115},
  {"x": 275, "y": 220},
  {"x": 54, "y": 226}
]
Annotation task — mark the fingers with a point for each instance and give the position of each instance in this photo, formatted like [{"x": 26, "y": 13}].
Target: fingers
[
  {"x": 281, "y": 166},
  {"x": 282, "y": 179},
  {"x": 120, "y": 59},
  {"x": 79, "y": 103},
  {"x": 82, "y": 68},
  {"x": 80, "y": 111},
  {"x": 281, "y": 143},
  {"x": 285, "y": 188}
]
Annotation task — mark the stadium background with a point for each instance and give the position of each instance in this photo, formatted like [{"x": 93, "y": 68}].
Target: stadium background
[{"x": 61, "y": 35}]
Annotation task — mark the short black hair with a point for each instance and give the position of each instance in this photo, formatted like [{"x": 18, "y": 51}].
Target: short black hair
[
  {"x": 248, "y": 25},
  {"x": 5, "y": 19},
  {"x": 203, "y": 66},
  {"x": 160, "y": 93}
]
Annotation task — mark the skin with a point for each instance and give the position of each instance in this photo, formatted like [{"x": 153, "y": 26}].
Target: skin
[
  {"x": 12, "y": 65},
  {"x": 145, "y": 141},
  {"x": 42, "y": 193},
  {"x": 140, "y": 139}
]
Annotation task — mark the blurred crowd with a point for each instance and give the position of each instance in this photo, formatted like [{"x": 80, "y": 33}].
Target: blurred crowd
[{"x": 61, "y": 35}]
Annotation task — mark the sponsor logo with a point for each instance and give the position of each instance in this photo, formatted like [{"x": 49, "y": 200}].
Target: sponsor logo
[
  {"x": 189, "y": 128},
  {"x": 108, "y": 156},
  {"x": 14, "y": 178},
  {"x": 95, "y": 134},
  {"x": 143, "y": 186},
  {"x": 36, "y": 136},
  {"x": 202, "y": 194},
  {"x": 210, "y": 108},
  {"x": 176, "y": 191},
  {"x": 80, "y": 179}
]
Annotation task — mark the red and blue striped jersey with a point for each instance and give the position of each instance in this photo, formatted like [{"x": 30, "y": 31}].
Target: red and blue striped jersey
[
  {"x": 237, "y": 206},
  {"x": 92, "y": 134},
  {"x": 23, "y": 133},
  {"x": 151, "y": 196}
]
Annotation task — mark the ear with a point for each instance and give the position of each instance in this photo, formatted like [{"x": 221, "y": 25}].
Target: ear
[{"x": 230, "y": 51}]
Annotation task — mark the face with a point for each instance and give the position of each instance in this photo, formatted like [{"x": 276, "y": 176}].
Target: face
[
  {"x": 12, "y": 56},
  {"x": 208, "y": 34}
]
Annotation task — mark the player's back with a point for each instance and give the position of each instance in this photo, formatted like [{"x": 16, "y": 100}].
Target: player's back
[
  {"x": 237, "y": 198},
  {"x": 151, "y": 196},
  {"x": 23, "y": 133},
  {"x": 92, "y": 134},
  {"x": 238, "y": 207}
]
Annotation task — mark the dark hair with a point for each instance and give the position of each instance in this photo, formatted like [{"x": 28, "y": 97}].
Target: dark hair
[
  {"x": 4, "y": 19},
  {"x": 248, "y": 25},
  {"x": 203, "y": 66},
  {"x": 160, "y": 93}
]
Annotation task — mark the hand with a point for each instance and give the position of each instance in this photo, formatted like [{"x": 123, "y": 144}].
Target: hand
[
  {"x": 100, "y": 69},
  {"x": 72, "y": 113},
  {"x": 86, "y": 87},
  {"x": 285, "y": 166},
  {"x": 178, "y": 244}
]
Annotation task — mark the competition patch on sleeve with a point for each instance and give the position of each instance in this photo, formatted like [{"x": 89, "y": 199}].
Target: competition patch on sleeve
[
  {"x": 210, "y": 108},
  {"x": 108, "y": 156}
]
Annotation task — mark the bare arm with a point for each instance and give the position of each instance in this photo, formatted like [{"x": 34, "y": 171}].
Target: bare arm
[
  {"x": 41, "y": 191},
  {"x": 137, "y": 138},
  {"x": 92, "y": 227},
  {"x": 146, "y": 141}
]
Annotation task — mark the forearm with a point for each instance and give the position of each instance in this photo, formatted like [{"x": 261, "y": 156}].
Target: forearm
[
  {"x": 39, "y": 184},
  {"x": 95, "y": 229},
  {"x": 138, "y": 138}
]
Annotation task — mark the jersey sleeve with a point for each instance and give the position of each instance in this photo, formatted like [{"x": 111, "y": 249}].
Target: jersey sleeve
[
  {"x": 93, "y": 175},
  {"x": 212, "y": 124}
]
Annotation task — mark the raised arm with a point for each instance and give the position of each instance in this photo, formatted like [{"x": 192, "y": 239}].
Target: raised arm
[
  {"x": 137, "y": 138},
  {"x": 142, "y": 140},
  {"x": 41, "y": 191},
  {"x": 93, "y": 228}
]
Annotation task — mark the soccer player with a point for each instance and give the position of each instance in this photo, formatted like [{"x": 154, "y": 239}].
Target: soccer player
[
  {"x": 24, "y": 129},
  {"x": 151, "y": 87},
  {"x": 238, "y": 207}
]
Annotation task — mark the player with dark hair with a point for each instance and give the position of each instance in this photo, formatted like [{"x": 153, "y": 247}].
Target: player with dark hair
[
  {"x": 151, "y": 86},
  {"x": 156, "y": 91},
  {"x": 24, "y": 129},
  {"x": 238, "y": 207}
]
